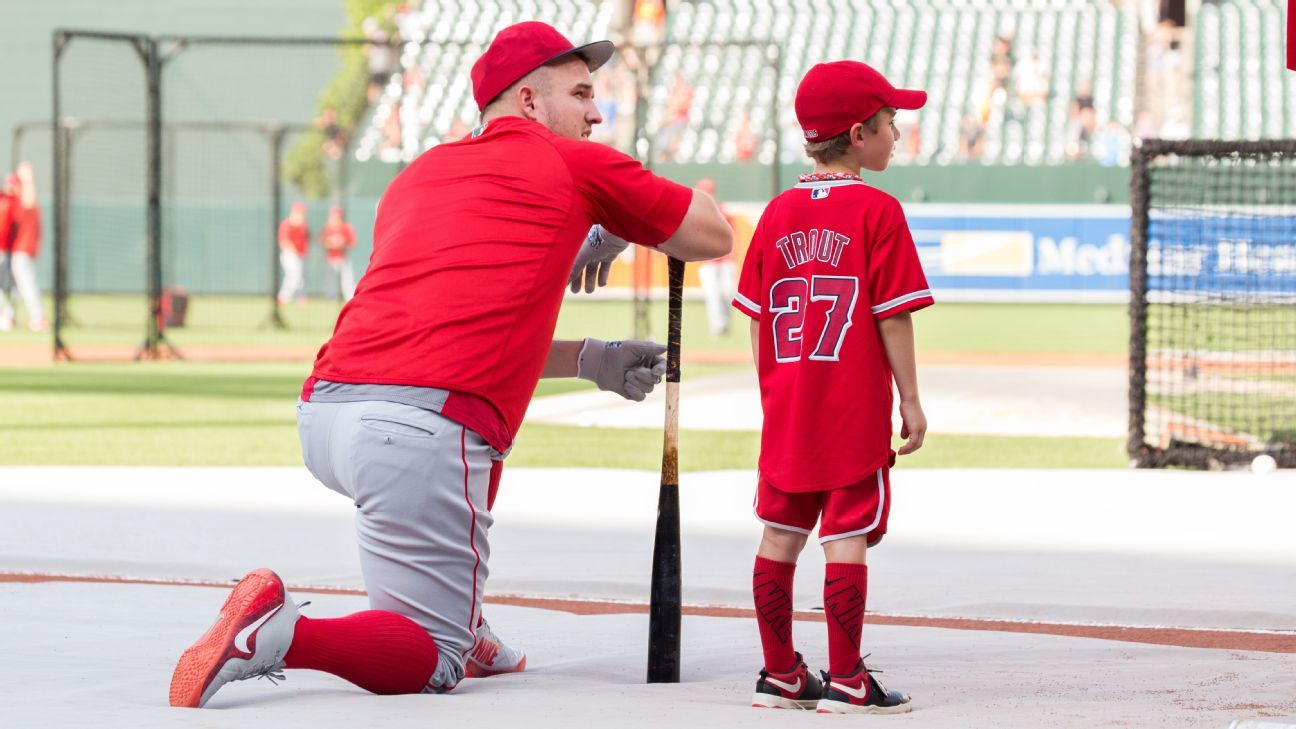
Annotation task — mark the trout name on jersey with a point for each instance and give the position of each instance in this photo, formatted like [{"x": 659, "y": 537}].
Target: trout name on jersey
[{"x": 816, "y": 244}]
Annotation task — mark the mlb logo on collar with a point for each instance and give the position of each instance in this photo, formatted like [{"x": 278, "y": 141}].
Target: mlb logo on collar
[{"x": 819, "y": 193}]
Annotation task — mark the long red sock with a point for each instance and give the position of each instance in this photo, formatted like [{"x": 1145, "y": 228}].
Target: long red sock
[
  {"x": 845, "y": 589},
  {"x": 772, "y": 588},
  {"x": 377, "y": 650}
]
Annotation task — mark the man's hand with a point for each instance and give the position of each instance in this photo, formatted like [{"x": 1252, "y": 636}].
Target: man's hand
[
  {"x": 594, "y": 261},
  {"x": 630, "y": 368},
  {"x": 913, "y": 426}
]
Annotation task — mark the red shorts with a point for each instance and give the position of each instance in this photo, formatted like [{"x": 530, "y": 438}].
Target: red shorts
[{"x": 849, "y": 511}]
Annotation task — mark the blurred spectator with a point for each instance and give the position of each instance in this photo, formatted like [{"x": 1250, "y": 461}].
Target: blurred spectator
[
  {"x": 335, "y": 140},
  {"x": 1110, "y": 146},
  {"x": 458, "y": 130},
  {"x": 971, "y": 138},
  {"x": 745, "y": 140},
  {"x": 606, "y": 101},
  {"x": 910, "y": 135},
  {"x": 1080, "y": 131},
  {"x": 381, "y": 57},
  {"x": 649, "y": 22},
  {"x": 391, "y": 130},
  {"x": 1145, "y": 126},
  {"x": 717, "y": 276},
  {"x": 1082, "y": 100},
  {"x": 1030, "y": 79},
  {"x": 679, "y": 103},
  {"x": 338, "y": 238},
  {"x": 294, "y": 237}
]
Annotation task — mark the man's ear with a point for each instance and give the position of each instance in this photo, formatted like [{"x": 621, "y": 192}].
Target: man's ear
[{"x": 527, "y": 101}]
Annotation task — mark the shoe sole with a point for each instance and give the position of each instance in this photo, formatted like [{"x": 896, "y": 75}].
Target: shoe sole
[
  {"x": 475, "y": 670},
  {"x": 828, "y": 706},
  {"x": 766, "y": 701},
  {"x": 202, "y": 661}
]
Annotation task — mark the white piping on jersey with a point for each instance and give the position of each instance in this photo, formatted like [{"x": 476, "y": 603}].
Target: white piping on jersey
[
  {"x": 877, "y": 518},
  {"x": 747, "y": 304},
  {"x": 899, "y": 300},
  {"x": 829, "y": 183}
]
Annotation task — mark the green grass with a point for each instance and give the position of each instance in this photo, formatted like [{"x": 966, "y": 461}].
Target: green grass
[
  {"x": 191, "y": 414},
  {"x": 240, "y": 321}
]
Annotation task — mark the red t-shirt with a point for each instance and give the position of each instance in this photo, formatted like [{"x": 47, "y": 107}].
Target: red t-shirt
[
  {"x": 473, "y": 244},
  {"x": 338, "y": 238},
  {"x": 7, "y": 205},
  {"x": 828, "y": 259},
  {"x": 26, "y": 237},
  {"x": 297, "y": 235}
]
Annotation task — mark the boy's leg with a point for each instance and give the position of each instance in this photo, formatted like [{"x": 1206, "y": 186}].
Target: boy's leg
[
  {"x": 772, "y": 578},
  {"x": 785, "y": 682},
  {"x": 845, "y": 591},
  {"x": 854, "y": 518}
]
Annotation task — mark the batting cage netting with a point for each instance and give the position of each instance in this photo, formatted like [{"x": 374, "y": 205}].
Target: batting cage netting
[
  {"x": 1213, "y": 303},
  {"x": 180, "y": 157}
]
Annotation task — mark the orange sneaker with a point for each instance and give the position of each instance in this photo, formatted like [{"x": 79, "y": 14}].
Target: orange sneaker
[
  {"x": 490, "y": 656},
  {"x": 249, "y": 639}
]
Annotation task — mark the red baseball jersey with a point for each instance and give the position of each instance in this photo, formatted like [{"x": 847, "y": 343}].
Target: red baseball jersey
[
  {"x": 27, "y": 236},
  {"x": 7, "y": 205},
  {"x": 338, "y": 238},
  {"x": 297, "y": 235},
  {"x": 827, "y": 261},
  {"x": 473, "y": 245}
]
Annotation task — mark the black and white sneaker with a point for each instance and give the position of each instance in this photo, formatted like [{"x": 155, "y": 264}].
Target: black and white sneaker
[
  {"x": 860, "y": 693},
  {"x": 796, "y": 689}
]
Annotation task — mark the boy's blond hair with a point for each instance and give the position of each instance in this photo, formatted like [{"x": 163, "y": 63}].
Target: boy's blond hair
[{"x": 829, "y": 150}]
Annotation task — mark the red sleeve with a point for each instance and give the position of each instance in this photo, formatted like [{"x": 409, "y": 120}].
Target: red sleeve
[
  {"x": 895, "y": 277},
  {"x": 624, "y": 197},
  {"x": 750, "y": 298}
]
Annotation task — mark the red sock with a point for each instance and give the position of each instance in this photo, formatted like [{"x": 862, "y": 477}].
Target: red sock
[
  {"x": 377, "y": 650},
  {"x": 772, "y": 588},
  {"x": 845, "y": 588}
]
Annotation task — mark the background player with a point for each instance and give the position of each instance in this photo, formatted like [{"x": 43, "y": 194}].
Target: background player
[
  {"x": 415, "y": 400},
  {"x": 716, "y": 276},
  {"x": 25, "y": 247},
  {"x": 339, "y": 238},
  {"x": 829, "y": 281},
  {"x": 8, "y": 201},
  {"x": 294, "y": 237}
]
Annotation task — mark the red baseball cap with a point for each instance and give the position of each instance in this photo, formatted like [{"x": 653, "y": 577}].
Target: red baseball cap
[
  {"x": 522, "y": 48},
  {"x": 835, "y": 96}
]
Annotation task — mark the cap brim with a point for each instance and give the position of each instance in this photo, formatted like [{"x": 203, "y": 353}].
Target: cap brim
[
  {"x": 595, "y": 54},
  {"x": 908, "y": 99}
]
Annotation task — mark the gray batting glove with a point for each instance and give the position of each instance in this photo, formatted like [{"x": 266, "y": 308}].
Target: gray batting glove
[
  {"x": 630, "y": 369},
  {"x": 594, "y": 261}
]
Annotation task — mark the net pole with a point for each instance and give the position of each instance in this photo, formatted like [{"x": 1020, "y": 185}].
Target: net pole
[
  {"x": 276, "y": 214},
  {"x": 61, "y": 152},
  {"x": 1136, "y": 446}
]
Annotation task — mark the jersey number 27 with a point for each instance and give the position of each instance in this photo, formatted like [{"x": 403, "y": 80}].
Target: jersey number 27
[{"x": 790, "y": 299}]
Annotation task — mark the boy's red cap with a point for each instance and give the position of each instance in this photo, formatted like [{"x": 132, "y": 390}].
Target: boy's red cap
[
  {"x": 522, "y": 48},
  {"x": 835, "y": 96}
]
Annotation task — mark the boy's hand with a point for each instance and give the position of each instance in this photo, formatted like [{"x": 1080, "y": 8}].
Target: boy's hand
[{"x": 913, "y": 426}]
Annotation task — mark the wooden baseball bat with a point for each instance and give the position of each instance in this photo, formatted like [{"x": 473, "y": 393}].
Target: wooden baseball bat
[{"x": 665, "y": 600}]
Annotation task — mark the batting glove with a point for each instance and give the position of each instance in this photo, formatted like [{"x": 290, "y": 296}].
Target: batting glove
[
  {"x": 594, "y": 261},
  {"x": 630, "y": 369}
]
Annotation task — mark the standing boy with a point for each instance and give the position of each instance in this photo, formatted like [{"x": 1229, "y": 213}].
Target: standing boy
[{"x": 829, "y": 282}]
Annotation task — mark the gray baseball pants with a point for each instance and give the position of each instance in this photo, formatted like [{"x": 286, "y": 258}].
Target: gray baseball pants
[{"x": 420, "y": 485}]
